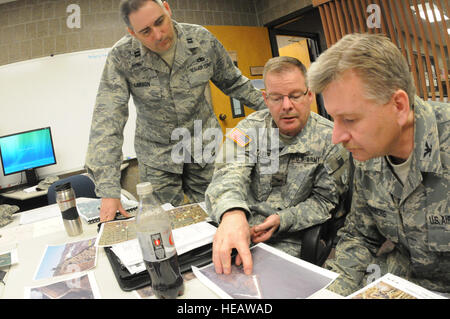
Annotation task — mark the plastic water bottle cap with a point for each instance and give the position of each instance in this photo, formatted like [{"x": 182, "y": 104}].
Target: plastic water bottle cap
[{"x": 144, "y": 188}]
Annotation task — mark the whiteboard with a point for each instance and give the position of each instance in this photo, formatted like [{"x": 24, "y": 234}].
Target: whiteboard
[{"x": 57, "y": 91}]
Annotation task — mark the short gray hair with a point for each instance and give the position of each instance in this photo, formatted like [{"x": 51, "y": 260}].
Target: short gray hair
[
  {"x": 129, "y": 6},
  {"x": 282, "y": 64},
  {"x": 373, "y": 57}
]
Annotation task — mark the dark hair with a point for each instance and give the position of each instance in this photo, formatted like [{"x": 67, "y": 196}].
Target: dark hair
[{"x": 129, "y": 6}]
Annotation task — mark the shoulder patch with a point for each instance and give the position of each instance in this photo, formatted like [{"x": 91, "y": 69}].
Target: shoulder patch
[{"x": 239, "y": 137}]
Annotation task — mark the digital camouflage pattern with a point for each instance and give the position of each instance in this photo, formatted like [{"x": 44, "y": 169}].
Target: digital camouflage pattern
[
  {"x": 6, "y": 212},
  {"x": 169, "y": 188},
  {"x": 309, "y": 177},
  {"x": 414, "y": 217},
  {"x": 165, "y": 99}
]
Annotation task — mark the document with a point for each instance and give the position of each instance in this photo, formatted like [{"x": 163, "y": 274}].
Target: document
[
  {"x": 190, "y": 229},
  {"x": 14, "y": 235},
  {"x": 116, "y": 231},
  {"x": 41, "y": 213},
  {"x": 393, "y": 287},
  {"x": 79, "y": 286},
  {"x": 275, "y": 275},
  {"x": 30, "y": 189},
  {"x": 67, "y": 258},
  {"x": 186, "y": 238}
]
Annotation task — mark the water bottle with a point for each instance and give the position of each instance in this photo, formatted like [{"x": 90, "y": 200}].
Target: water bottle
[
  {"x": 65, "y": 197},
  {"x": 160, "y": 256}
]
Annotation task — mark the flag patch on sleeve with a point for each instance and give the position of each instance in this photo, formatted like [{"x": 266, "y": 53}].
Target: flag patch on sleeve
[{"x": 239, "y": 137}]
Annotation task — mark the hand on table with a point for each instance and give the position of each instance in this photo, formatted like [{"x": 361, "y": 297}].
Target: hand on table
[
  {"x": 109, "y": 208},
  {"x": 233, "y": 232}
]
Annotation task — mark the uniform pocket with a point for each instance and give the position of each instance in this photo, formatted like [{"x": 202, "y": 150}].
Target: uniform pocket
[
  {"x": 438, "y": 226},
  {"x": 145, "y": 85},
  {"x": 300, "y": 181},
  {"x": 261, "y": 182},
  {"x": 386, "y": 219},
  {"x": 199, "y": 70}
]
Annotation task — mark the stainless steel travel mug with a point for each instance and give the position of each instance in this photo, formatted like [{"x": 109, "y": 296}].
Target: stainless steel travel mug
[{"x": 65, "y": 197}]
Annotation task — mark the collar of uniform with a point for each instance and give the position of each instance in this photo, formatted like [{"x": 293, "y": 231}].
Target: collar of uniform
[
  {"x": 189, "y": 41},
  {"x": 186, "y": 43},
  {"x": 302, "y": 141},
  {"x": 426, "y": 138}
]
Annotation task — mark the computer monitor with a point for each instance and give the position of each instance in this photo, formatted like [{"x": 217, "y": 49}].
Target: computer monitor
[{"x": 26, "y": 151}]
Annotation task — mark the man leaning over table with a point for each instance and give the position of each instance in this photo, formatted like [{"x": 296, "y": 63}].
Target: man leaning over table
[{"x": 165, "y": 66}]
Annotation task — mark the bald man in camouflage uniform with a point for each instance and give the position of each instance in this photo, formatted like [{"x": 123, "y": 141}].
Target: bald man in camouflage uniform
[
  {"x": 399, "y": 221},
  {"x": 166, "y": 67},
  {"x": 279, "y": 190}
]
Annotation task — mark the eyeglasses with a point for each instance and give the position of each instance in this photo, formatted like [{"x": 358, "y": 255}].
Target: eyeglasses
[{"x": 277, "y": 99}]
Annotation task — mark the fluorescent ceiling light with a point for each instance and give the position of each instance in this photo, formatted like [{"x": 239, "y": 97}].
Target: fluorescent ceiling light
[{"x": 429, "y": 13}]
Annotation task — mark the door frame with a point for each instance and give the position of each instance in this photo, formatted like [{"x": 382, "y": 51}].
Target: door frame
[{"x": 275, "y": 28}]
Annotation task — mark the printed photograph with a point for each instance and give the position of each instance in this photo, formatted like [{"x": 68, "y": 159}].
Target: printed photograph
[
  {"x": 273, "y": 277},
  {"x": 82, "y": 287},
  {"x": 383, "y": 290},
  {"x": 67, "y": 259}
]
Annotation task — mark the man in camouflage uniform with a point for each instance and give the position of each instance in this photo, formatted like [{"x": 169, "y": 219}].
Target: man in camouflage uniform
[
  {"x": 280, "y": 183},
  {"x": 166, "y": 66},
  {"x": 399, "y": 220}
]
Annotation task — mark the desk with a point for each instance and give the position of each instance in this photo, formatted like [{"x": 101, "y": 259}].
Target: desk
[
  {"x": 25, "y": 200},
  {"x": 21, "y": 195},
  {"x": 31, "y": 243}
]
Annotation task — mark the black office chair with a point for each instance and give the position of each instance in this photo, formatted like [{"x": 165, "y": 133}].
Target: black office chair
[
  {"x": 82, "y": 185},
  {"x": 318, "y": 240}
]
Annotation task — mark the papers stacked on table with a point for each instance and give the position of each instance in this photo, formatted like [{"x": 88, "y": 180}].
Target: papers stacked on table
[{"x": 121, "y": 236}]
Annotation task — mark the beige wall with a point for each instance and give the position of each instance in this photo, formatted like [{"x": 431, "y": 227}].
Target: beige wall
[
  {"x": 36, "y": 28},
  {"x": 269, "y": 10}
]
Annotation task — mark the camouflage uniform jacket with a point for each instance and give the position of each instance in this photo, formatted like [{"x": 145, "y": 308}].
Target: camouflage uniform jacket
[
  {"x": 165, "y": 99},
  {"x": 306, "y": 178},
  {"x": 415, "y": 217}
]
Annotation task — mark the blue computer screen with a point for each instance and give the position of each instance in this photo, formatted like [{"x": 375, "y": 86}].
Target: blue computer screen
[{"x": 26, "y": 150}]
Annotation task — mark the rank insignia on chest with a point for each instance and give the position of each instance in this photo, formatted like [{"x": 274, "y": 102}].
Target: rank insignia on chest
[{"x": 239, "y": 137}]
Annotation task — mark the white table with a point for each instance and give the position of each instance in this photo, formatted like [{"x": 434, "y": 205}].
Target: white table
[{"x": 31, "y": 241}]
